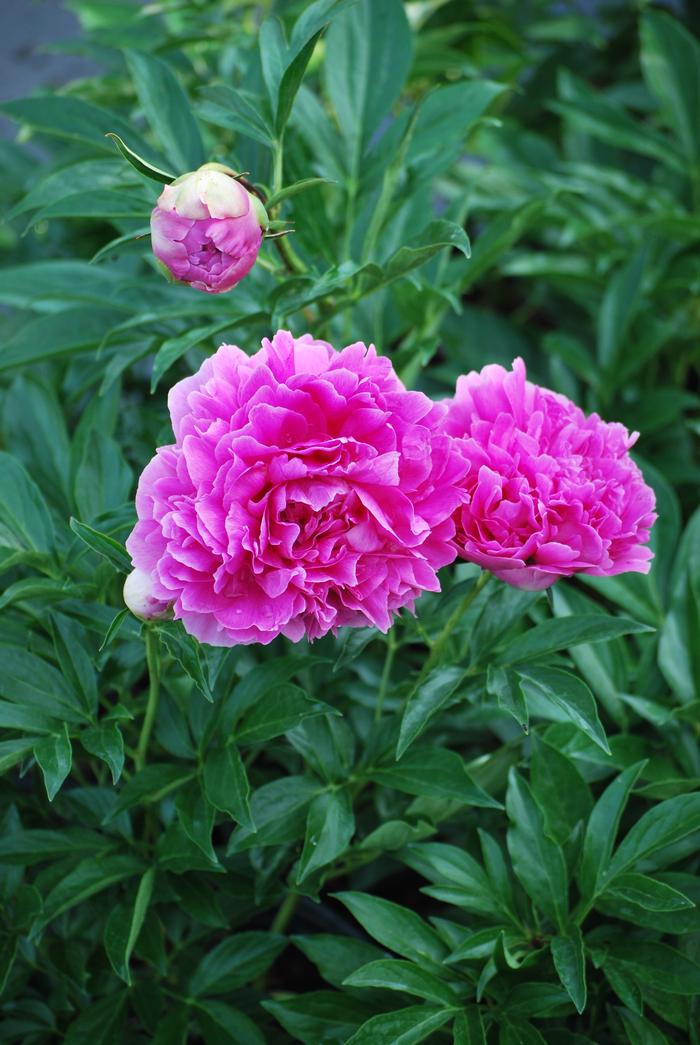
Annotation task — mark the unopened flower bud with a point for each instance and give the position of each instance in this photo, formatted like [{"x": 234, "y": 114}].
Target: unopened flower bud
[
  {"x": 139, "y": 598},
  {"x": 206, "y": 228}
]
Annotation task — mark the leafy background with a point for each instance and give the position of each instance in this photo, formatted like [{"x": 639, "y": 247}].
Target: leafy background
[{"x": 485, "y": 826}]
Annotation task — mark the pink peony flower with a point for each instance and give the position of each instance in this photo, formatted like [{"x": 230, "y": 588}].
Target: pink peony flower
[
  {"x": 206, "y": 228},
  {"x": 306, "y": 489},
  {"x": 551, "y": 492}
]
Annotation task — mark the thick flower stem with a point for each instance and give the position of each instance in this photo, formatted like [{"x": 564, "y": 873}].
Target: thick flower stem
[
  {"x": 285, "y": 912},
  {"x": 153, "y": 663},
  {"x": 391, "y": 647},
  {"x": 444, "y": 637}
]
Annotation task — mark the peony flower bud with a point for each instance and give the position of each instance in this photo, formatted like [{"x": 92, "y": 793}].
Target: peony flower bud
[
  {"x": 206, "y": 228},
  {"x": 139, "y": 597}
]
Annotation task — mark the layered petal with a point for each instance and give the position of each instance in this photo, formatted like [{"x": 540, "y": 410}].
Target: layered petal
[
  {"x": 549, "y": 491},
  {"x": 306, "y": 490}
]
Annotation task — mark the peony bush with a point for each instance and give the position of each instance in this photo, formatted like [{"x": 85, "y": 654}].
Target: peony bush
[{"x": 349, "y": 683}]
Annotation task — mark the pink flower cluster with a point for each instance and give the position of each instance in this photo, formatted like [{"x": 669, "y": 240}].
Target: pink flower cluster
[{"x": 307, "y": 489}]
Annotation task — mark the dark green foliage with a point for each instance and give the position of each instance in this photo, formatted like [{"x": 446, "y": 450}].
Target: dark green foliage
[{"x": 350, "y": 842}]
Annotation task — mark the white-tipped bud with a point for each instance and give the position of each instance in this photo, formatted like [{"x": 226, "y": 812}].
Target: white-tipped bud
[{"x": 139, "y": 598}]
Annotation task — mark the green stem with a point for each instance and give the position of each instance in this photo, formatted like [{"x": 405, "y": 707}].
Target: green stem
[
  {"x": 277, "y": 168},
  {"x": 444, "y": 637},
  {"x": 386, "y": 675},
  {"x": 153, "y": 663},
  {"x": 285, "y": 912}
]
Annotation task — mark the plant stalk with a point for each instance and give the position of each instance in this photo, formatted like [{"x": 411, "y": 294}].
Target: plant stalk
[{"x": 153, "y": 663}]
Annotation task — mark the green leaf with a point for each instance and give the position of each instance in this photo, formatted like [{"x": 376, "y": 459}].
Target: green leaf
[
  {"x": 29, "y": 681},
  {"x": 621, "y": 302},
  {"x": 504, "y": 685},
  {"x": 25, "y": 523},
  {"x": 656, "y": 965},
  {"x": 291, "y": 82},
  {"x": 103, "y": 544},
  {"x": 188, "y": 653},
  {"x": 336, "y": 957},
  {"x": 317, "y": 1016},
  {"x": 641, "y": 1031},
  {"x": 226, "y": 784},
  {"x": 91, "y": 876},
  {"x": 648, "y": 893},
  {"x": 293, "y": 190},
  {"x": 670, "y": 59},
  {"x": 395, "y": 927},
  {"x": 41, "y": 589},
  {"x": 106, "y": 742},
  {"x": 221, "y": 1024},
  {"x": 102, "y": 204},
  {"x": 55, "y": 757},
  {"x": 151, "y": 784},
  {"x": 394, "y": 975},
  {"x": 236, "y": 961},
  {"x": 100, "y": 1023},
  {"x": 196, "y": 815},
  {"x": 455, "y": 872},
  {"x": 278, "y": 712},
  {"x": 176, "y": 347},
  {"x": 66, "y": 333},
  {"x": 76, "y": 662},
  {"x": 103, "y": 479},
  {"x": 123, "y": 927},
  {"x": 436, "y": 773},
  {"x": 438, "y": 235},
  {"x": 262, "y": 679},
  {"x": 498, "y": 238},
  {"x": 563, "y": 632},
  {"x": 36, "y": 434},
  {"x": 570, "y": 695},
  {"x": 405, "y": 1027},
  {"x": 589, "y": 111},
  {"x": 138, "y": 162},
  {"x": 570, "y": 963},
  {"x": 468, "y": 1027},
  {"x": 330, "y": 825},
  {"x": 445, "y": 119},
  {"x": 559, "y": 789},
  {"x": 538, "y": 862},
  {"x": 602, "y": 829},
  {"x": 424, "y": 703},
  {"x": 167, "y": 109},
  {"x": 661, "y": 826},
  {"x": 278, "y": 810},
  {"x": 72, "y": 118},
  {"x": 368, "y": 56},
  {"x": 30, "y": 846}
]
